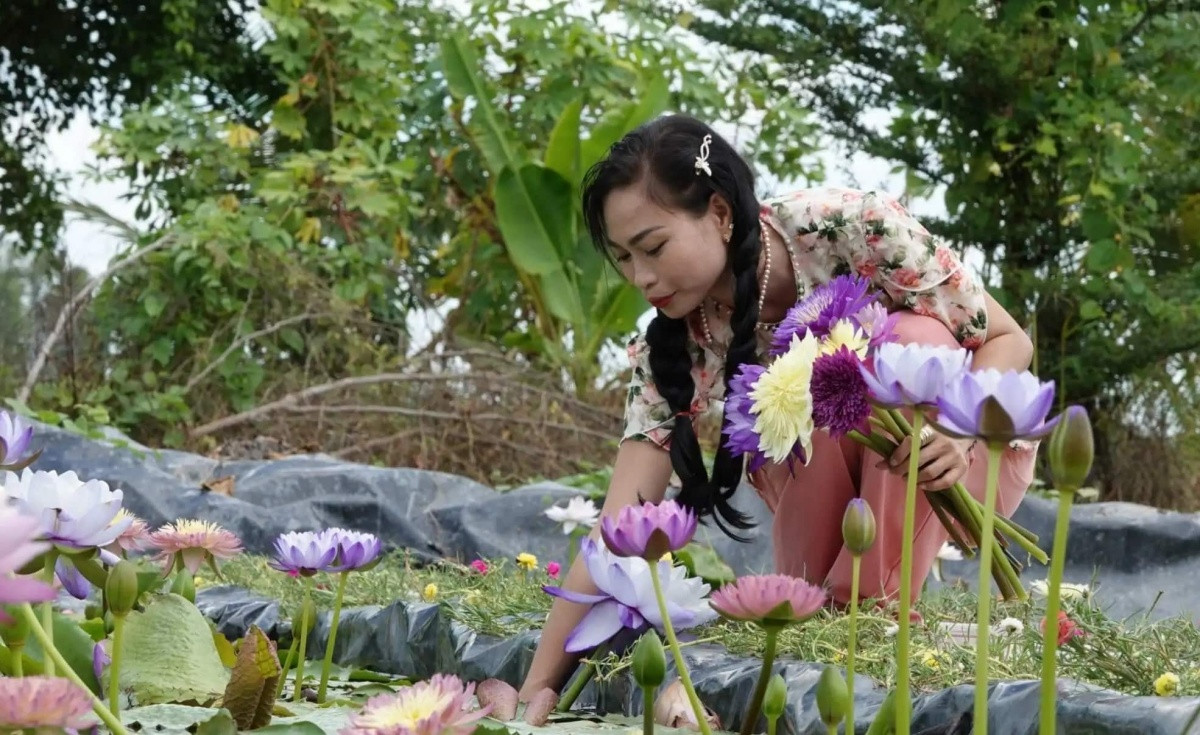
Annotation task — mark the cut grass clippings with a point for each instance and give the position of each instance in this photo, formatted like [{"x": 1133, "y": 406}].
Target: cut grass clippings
[{"x": 1124, "y": 655}]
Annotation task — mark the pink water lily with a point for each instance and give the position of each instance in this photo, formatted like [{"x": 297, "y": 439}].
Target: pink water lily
[
  {"x": 440, "y": 705},
  {"x": 769, "y": 599},
  {"x": 38, "y": 703},
  {"x": 18, "y": 548},
  {"x": 649, "y": 530}
]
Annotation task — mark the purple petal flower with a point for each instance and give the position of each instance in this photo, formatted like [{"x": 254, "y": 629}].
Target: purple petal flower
[
  {"x": 739, "y": 421},
  {"x": 356, "y": 550},
  {"x": 303, "y": 554},
  {"x": 626, "y": 597},
  {"x": 913, "y": 375},
  {"x": 17, "y": 548},
  {"x": 14, "y": 435},
  {"x": 649, "y": 530},
  {"x": 839, "y": 393},
  {"x": 74, "y": 514},
  {"x": 839, "y": 298},
  {"x": 875, "y": 322},
  {"x": 996, "y": 407},
  {"x": 72, "y": 580},
  {"x": 100, "y": 660}
]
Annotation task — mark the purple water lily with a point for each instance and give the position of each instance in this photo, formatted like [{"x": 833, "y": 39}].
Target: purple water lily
[
  {"x": 626, "y": 598},
  {"x": 875, "y": 322},
  {"x": 14, "y": 442},
  {"x": 996, "y": 407},
  {"x": 356, "y": 550},
  {"x": 839, "y": 393},
  {"x": 913, "y": 375},
  {"x": 303, "y": 554},
  {"x": 72, "y": 579},
  {"x": 840, "y": 298},
  {"x": 649, "y": 530}
]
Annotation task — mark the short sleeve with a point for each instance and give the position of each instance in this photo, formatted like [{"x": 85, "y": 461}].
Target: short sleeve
[
  {"x": 648, "y": 417},
  {"x": 916, "y": 270}
]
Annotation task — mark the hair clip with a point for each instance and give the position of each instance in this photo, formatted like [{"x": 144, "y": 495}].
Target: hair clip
[{"x": 702, "y": 159}]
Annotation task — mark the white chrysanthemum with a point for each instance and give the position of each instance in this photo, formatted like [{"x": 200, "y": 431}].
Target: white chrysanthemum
[
  {"x": 845, "y": 333},
  {"x": 1009, "y": 626},
  {"x": 783, "y": 401},
  {"x": 580, "y": 511},
  {"x": 1066, "y": 591}
]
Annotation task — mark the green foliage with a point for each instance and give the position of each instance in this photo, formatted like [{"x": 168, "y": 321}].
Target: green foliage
[
  {"x": 168, "y": 655},
  {"x": 1055, "y": 133}
]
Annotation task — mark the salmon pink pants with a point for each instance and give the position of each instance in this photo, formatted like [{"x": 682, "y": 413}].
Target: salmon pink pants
[{"x": 809, "y": 504}]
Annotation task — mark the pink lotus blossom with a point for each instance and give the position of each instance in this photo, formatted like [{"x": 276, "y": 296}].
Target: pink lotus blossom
[
  {"x": 439, "y": 706},
  {"x": 480, "y": 566},
  {"x": 769, "y": 599},
  {"x": 553, "y": 569},
  {"x": 37, "y": 702},
  {"x": 17, "y": 548},
  {"x": 194, "y": 542}
]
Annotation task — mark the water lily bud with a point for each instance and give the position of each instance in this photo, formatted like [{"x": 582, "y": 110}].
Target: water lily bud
[
  {"x": 833, "y": 699},
  {"x": 121, "y": 588},
  {"x": 298, "y": 617},
  {"x": 184, "y": 585},
  {"x": 775, "y": 698},
  {"x": 885, "y": 717},
  {"x": 649, "y": 661},
  {"x": 14, "y": 632},
  {"x": 1071, "y": 449},
  {"x": 858, "y": 526}
]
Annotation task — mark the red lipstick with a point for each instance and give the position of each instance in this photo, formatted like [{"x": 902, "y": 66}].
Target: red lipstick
[{"x": 661, "y": 301}]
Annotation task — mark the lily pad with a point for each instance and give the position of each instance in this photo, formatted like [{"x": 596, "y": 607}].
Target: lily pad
[
  {"x": 168, "y": 655},
  {"x": 179, "y": 719}
]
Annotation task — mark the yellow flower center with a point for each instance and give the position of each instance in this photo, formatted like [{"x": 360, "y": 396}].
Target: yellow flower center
[
  {"x": 783, "y": 403},
  {"x": 406, "y": 711}
]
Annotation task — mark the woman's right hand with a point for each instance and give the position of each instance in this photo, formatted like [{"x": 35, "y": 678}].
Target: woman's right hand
[{"x": 641, "y": 469}]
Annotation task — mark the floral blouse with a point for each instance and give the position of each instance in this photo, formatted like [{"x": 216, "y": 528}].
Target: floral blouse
[{"x": 832, "y": 232}]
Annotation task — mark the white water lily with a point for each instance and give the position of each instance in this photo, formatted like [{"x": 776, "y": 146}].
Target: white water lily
[
  {"x": 1008, "y": 626},
  {"x": 580, "y": 511},
  {"x": 73, "y": 514},
  {"x": 1066, "y": 591},
  {"x": 950, "y": 552}
]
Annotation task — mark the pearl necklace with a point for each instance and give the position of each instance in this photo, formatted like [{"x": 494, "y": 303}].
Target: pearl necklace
[{"x": 762, "y": 287}]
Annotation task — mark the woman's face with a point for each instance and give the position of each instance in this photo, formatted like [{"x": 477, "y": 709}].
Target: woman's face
[{"x": 672, "y": 257}]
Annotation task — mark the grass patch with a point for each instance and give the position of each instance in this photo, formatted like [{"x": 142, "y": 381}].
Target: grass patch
[{"x": 1125, "y": 655}]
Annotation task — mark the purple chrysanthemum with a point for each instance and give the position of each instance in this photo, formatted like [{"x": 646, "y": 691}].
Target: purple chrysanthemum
[
  {"x": 739, "y": 422},
  {"x": 839, "y": 298},
  {"x": 839, "y": 393}
]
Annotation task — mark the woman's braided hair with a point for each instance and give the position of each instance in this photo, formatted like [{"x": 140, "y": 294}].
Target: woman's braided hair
[{"x": 661, "y": 155}]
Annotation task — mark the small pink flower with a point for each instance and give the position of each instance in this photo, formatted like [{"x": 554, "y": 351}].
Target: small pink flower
[
  {"x": 906, "y": 277},
  {"x": 136, "y": 537},
  {"x": 480, "y": 566},
  {"x": 43, "y": 702},
  {"x": 771, "y": 599},
  {"x": 194, "y": 542},
  {"x": 946, "y": 259},
  {"x": 553, "y": 569}
]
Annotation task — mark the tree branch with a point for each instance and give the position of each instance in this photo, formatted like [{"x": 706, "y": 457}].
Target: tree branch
[
  {"x": 270, "y": 329},
  {"x": 68, "y": 312}
]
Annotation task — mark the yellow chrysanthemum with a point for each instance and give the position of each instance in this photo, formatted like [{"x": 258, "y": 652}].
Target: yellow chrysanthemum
[
  {"x": 930, "y": 660},
  {"x": 1166, "y": 685},
  {"x": 430, "y": 592},
  {"x": 527, "y": 561},
  {"x": 845, "y": 334},
  {"x": 783, "y": 402}
]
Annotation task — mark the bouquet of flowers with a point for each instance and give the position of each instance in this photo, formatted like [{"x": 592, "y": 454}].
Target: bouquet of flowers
[{"x": 826, "y": 376}]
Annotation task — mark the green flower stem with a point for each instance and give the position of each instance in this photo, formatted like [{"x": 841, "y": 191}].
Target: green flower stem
[
  {"x": 832, "y": 729},
  {"x": 303, "y": 640},
  {"x": 580, "y": 681},
  {"x": 647, "y": 710},
  {"x": 895, "y": 422},
  {"x": 852, "y": 648},
  {"x": 287, "y": 662},
  {"x": 333, "y": 629},
  {"x": 903, "y": 692},
  {"x": 764, "y": 678},
  {"x": 984, "y": 616},
  {"x": 669, "y": 629},
  {"x": 771, "y": 723},
  {"x": 1050, "y": 635},
  {"x": 938, "y": 505},
  {"x": 17, "y": 664},
  {"x": 50, "y": 653},
  {"x": 48, "y": 609},
  {"x": 114, "y": 671}
]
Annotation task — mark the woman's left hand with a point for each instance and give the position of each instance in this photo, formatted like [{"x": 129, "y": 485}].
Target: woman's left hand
[{"x": 944, "y": 461}]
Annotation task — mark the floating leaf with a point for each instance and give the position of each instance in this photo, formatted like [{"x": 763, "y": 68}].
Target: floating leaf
[
  {"x": 168, "y": 655},
  {"x": 704, "y": 562},
  {"x": 178, "y": 719},
  {"x": 250, "y": 694}
]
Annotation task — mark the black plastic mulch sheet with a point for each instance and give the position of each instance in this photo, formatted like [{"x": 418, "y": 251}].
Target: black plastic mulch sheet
[
  {"x": 420, "y": 639},
  {"x": 1134, "y": 552}
]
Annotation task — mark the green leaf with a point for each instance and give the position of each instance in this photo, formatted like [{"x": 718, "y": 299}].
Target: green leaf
[
  {"x": 178, "y": 719},
  {"x": 1090, "y": 310},
  {"x": 250, "y": 694},
  {"x": 535, "y": 215},
  {"x": 288, "y": 121},
  {"x": 621, "y": 120},
  {"x": 292, "y": 339},
  {"x": 154, "y": 303},
  {"x": 562, "y": 153},
  {"x": 1046, "y": 146},
  {"x": 704, "y": 562},
  {"x": 459, "y": 64},
  {"x": 76, "y": 647},
  {"x": 561, "y": 296},
  {"x": 1102, "y": 256},
  {"x": 168, "y": 654}
]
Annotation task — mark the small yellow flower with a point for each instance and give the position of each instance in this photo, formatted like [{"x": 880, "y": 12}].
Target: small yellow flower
[
  {"x": 527, "y": 561},
  {"x": 430, "y": 592},
  {"x": 930, "y": 660},
  {"x": 1166, "y": 685},
  {"x": 839, "y": 656}
]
